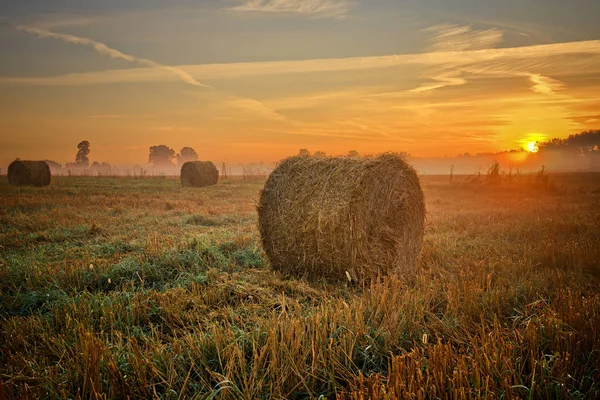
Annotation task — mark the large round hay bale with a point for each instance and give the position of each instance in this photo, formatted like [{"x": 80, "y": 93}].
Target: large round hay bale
[
  {"x": 29, "y": 173},
  {"x": 199, "y": 173},
  {"x": 342, "y": 218}
]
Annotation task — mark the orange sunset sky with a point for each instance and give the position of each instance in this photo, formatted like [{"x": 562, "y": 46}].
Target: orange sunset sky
[{"x": 256, "y": 80}]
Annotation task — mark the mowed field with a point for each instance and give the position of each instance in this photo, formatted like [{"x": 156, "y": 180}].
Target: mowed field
[{"x": 138, "y": 288}]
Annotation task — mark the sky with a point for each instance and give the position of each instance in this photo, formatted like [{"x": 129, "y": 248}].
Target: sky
[{"x": 256, "y": 80}]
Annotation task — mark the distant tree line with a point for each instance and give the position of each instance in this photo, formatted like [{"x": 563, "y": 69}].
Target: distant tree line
[
  {"x": 582, "y": 144},
  {"x": 82, "y": 161},
  {"x": 164, "y": 156},
  {"x": 160, "y": 156},
  {"x": 317, "y": 154}
]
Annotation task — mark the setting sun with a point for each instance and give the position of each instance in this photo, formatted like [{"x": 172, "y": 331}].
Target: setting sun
[
  {"x": 530, "y": 141},
  {"x": 532, "y": 147}
]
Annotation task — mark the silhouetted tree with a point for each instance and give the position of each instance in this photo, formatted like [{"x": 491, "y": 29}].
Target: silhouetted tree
[
  {"x": 81, "y": 158},
  {"x": 161, "y": 156},
  {"x": 187, "y": 154},
  {"x": 101, "y": 168},
  {"x": 581, "y": 144},
  {"x": 353, "y": 153},
  {"x": 304, "y": 153},
  {"x": 584, "y": 145},
  {"x": 319, "y": 154}
]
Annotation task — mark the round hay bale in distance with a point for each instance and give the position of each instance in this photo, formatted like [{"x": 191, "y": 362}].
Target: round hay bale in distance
[
  {"x": 29, "y": 173},
  {"x": 199, "y": 174},
  {"x": 342, "y": 218}
]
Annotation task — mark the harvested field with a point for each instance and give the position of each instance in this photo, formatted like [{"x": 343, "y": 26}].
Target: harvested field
[{"x": 139, "y": 288}]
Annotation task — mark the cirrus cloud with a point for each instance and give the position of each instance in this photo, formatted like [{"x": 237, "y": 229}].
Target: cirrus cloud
[
  {"x": 109, "y": 51},
  {"x": 449, "y": 37},
  {"x": 314, "y": 8}
]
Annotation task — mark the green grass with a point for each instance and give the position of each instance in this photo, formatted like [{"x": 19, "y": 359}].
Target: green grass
[{"x": 117, "y": 288}]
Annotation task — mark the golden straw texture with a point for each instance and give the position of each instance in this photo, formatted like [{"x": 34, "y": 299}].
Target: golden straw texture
[
  {"x": 342, "y": 218},
  {"x": 199, "y": 173},
  {"x": 29, "y": 173}
]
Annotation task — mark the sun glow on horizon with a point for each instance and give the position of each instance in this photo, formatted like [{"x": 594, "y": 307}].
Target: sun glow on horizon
[
  {"x": 530, "y": 143},
  {"x": 532, "y": 147}
]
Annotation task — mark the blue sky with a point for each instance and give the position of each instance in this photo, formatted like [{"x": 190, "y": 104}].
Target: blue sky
[{"x": 237, "y": 77}]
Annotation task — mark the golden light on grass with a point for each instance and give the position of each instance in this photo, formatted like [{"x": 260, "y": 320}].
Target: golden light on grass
[{"x": 171, "y": 293}]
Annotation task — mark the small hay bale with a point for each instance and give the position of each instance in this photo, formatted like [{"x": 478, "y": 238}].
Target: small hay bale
[
  {"x": 199, "y": 174},
  {"x": 342, "y": 218},
  {"x": 29, "y": 173}
]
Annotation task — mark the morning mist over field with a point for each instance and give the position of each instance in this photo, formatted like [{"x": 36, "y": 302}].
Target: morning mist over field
[{"x": 256, "y": 80}]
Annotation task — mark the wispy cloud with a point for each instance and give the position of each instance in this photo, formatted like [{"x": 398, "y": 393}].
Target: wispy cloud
[
  {"x": 317, "y": 131},
  {"x": 441, "y": 80},
  {"x": 314, "y": 8},
  {"x": 319, "y": 99},
  {"x": 104, "y": 49},
  {"x": 251, "y": 106},
  {"x": 545, "y": 85},
  {"x": 448, "y": 37},
  {"x": 54, "y": 21},
  {"x": 231, "y": 100},
  {"x": 558, "y": 57},
  {"x": 542, "y": 65}
]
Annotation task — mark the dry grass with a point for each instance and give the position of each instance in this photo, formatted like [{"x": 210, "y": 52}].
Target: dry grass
[
  {"x": 342, "y": 217},
  {"x": 123, "y": 288}
]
